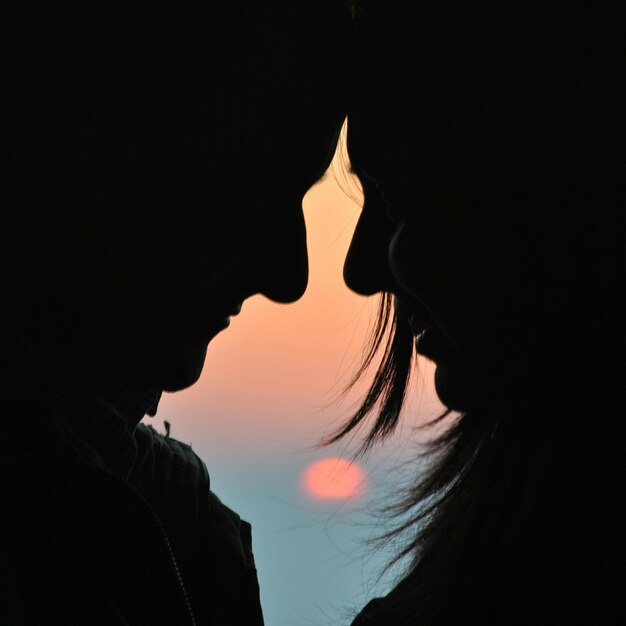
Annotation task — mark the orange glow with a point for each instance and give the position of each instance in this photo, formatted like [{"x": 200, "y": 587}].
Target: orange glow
[
  {"x": 333, "y": 478},
  {"x": 272, "y": 378}
]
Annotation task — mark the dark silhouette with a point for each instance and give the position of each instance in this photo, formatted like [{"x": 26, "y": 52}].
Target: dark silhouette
[
  {"x": 156, "y": 155},
  {"x": 489, "y": 138}
]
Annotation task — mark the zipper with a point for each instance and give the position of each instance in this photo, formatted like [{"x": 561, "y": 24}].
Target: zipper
[{"x": 181, "y": 584}]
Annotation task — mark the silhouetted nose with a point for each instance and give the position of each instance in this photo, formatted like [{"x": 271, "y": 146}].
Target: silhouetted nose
[
  {"x": 282, "y": 270},
  {"x": 366, "y": 270}
]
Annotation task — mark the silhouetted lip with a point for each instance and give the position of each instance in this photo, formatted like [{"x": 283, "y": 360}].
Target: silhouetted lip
[
  {"x": 429, "y": 338},
  {"x": 432, "y": 344},
  {"x": 413, "y": 314},
  {"x": 218, "y": 319},
  {"x": 230, "y": 309},
  {"x": 235, "y": 309}
]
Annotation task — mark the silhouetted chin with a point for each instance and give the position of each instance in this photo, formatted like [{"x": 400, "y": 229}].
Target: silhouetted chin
[
  {"x": 182, "y": 368},
  {"x": 179, "y": 364},
  {"x": 451, "y": 395},
  {"x": 452, "y": 376}
]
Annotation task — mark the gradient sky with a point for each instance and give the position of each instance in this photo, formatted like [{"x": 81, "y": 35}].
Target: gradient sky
[{"x": 267, "y": 394}]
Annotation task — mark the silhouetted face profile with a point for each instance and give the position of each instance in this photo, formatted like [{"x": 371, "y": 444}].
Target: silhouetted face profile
[
  {"x": 160, "y": 153},
  {"x": 465, "y": 135}
]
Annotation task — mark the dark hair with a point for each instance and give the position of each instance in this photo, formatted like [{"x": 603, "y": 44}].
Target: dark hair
[
  {"x": 492, "y": 485},
  {"x": 498, "y": 500}
]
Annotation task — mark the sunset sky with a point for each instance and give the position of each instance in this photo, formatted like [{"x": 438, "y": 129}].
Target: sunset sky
[{"x": 268, "y": 393}]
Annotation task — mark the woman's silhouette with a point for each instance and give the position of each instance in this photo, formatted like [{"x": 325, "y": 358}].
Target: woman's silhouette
[{"x": 487, "y": 137}]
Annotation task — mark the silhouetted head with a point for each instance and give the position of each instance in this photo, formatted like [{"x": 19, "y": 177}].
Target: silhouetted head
[
  {"x": 158, "y": 155},
  {"x": 489, "y": 139},
  {"x": 488, "y": 136},
  {"x": 480, "y": 132}
]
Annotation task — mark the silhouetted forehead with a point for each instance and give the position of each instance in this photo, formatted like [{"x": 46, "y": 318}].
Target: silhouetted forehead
[
  {"x": 490, "y": 104},
  {"x": 222, "y": 70},
  {"x": 268, "y": 56},
  {"x": 224, "y": 30}
]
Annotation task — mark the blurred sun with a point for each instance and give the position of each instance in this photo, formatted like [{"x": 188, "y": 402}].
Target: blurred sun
[{"x": 333, "y": 478}]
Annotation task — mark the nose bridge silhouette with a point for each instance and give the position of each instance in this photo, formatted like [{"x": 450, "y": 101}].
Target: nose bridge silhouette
[{"x": 280, "y": 259}]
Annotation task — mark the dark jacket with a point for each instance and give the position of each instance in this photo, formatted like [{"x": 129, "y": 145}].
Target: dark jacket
[{"x": 82, "y": 545}]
